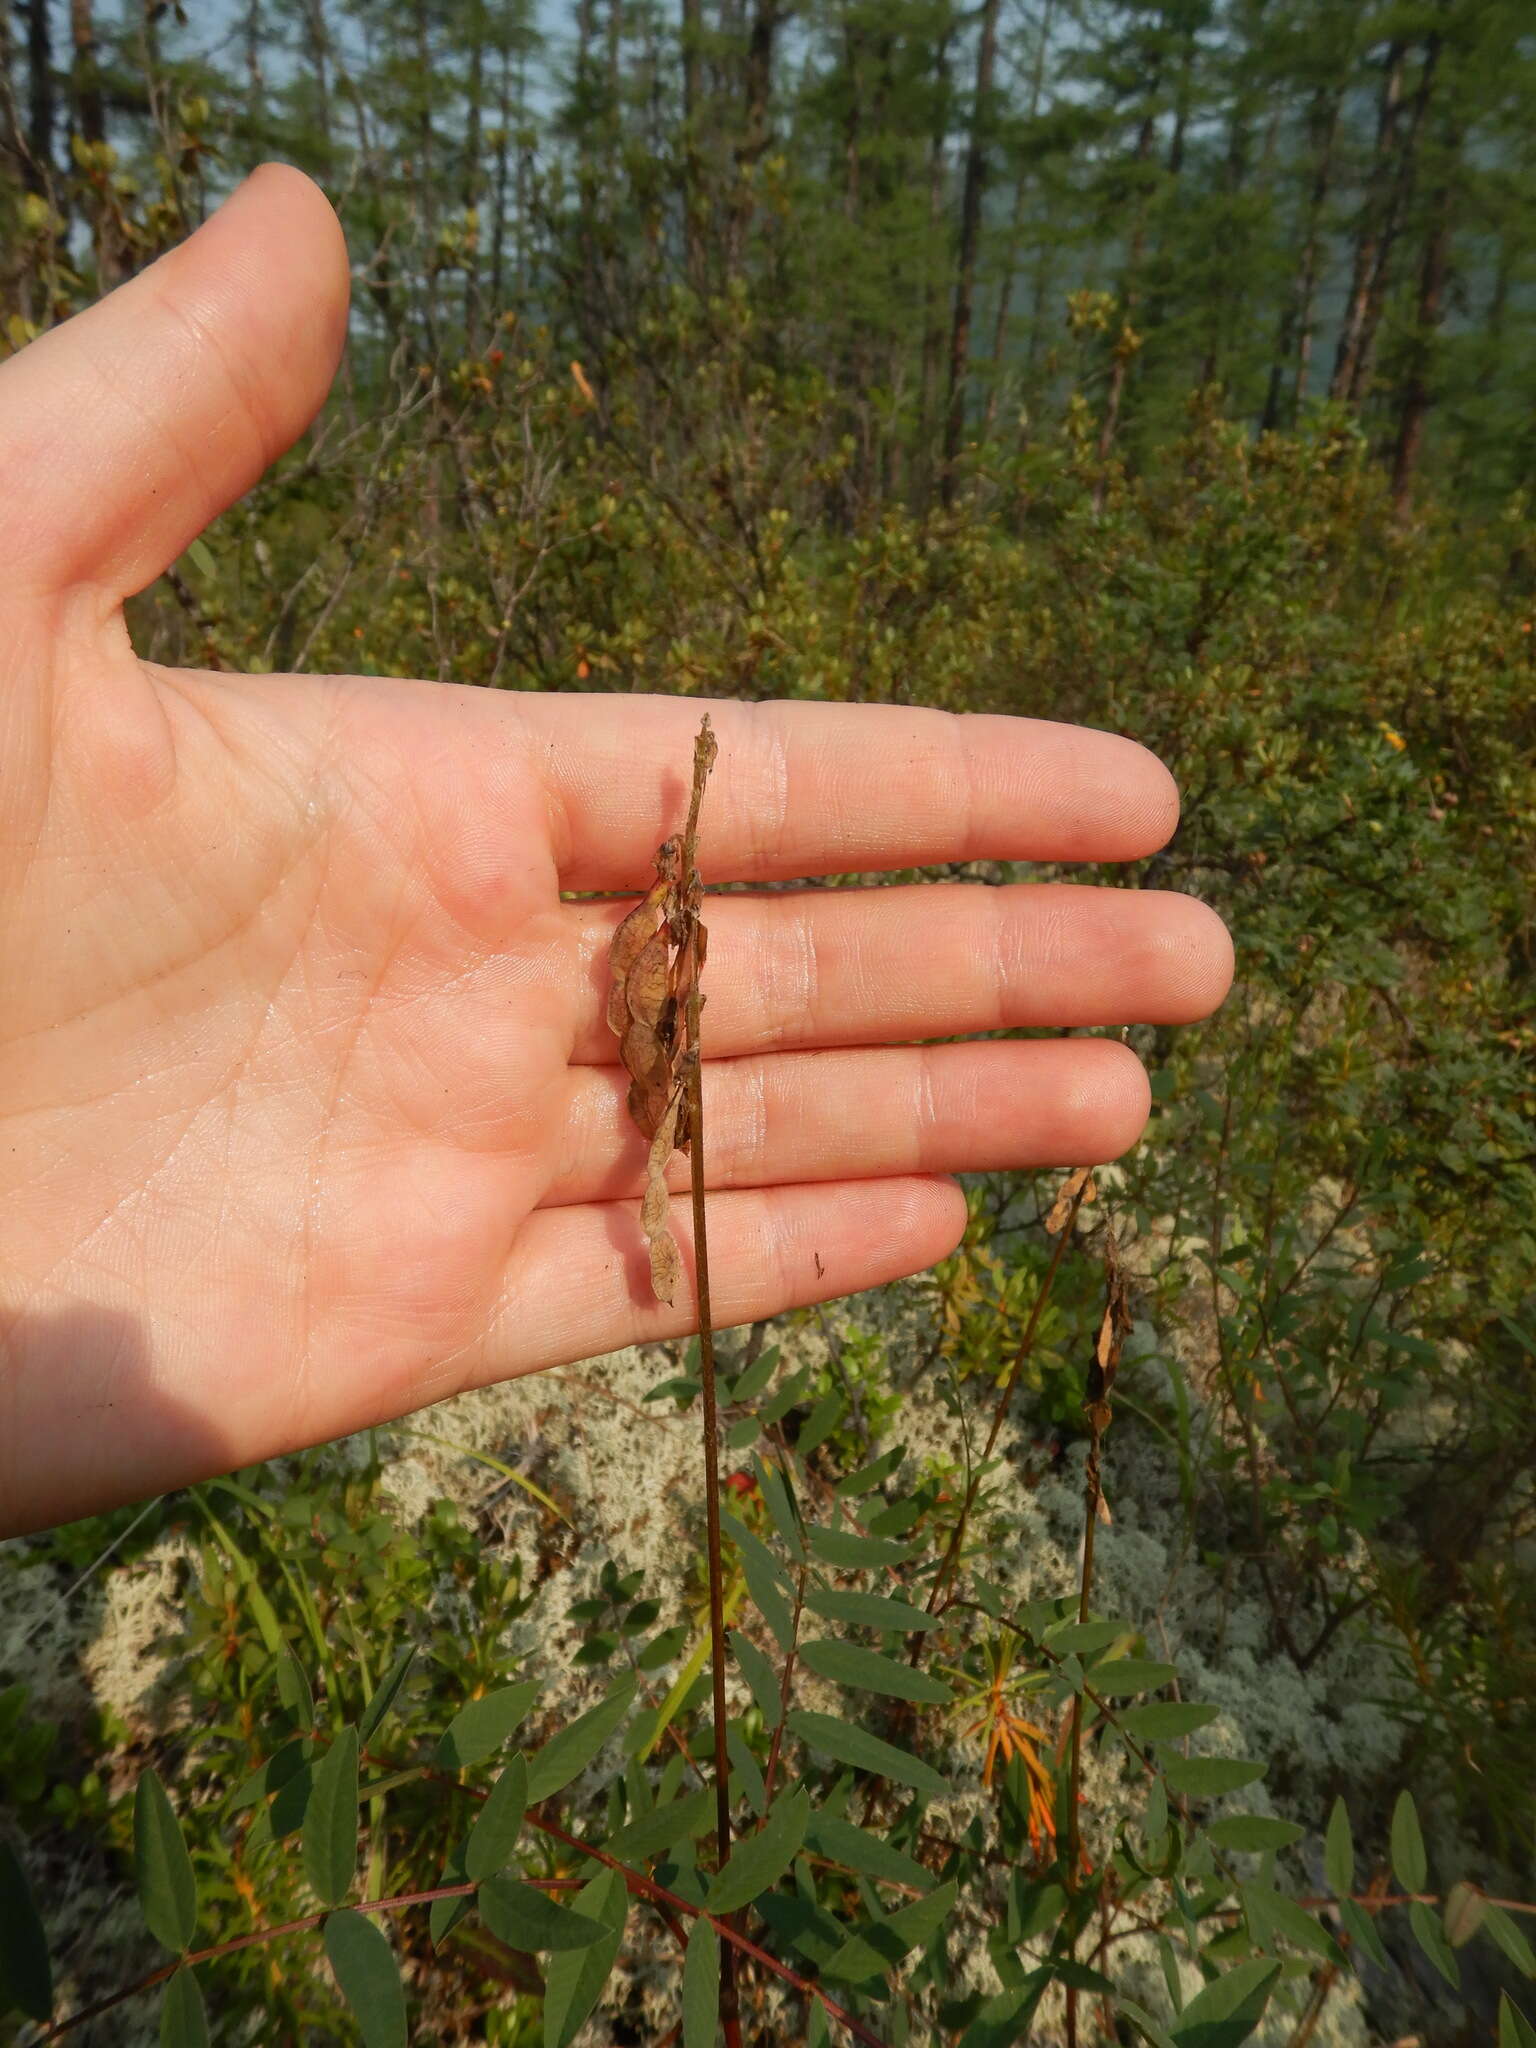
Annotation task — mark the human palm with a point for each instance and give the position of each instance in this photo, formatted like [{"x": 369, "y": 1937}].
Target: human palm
[{"x": 310, "y": 1112}]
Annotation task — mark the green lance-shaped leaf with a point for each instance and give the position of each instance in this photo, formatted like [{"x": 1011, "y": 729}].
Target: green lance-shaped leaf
[
  {"x": 447, "y": 1913},
  {"x": 759, "y": 1860},
  {"x": 26, "y": 1979},
  {"x": 1502, "y": 1931},
  {"x": 821, "y": 1422},
  {"x": 566, "y": 1755},
  {"x": 183, "y": 2016},
  {"x": 1339, "y": 1851},
  {"x": 479, "y": 1730},
  {"x": 1430, "y": 1936},
  {"x": 1361, "y": 1929},
  {"x": 1209, "y": 1777},
  {"x": 167, "y": 1888},
  {"x": 847, "y": 1743},
  {"x": 385, "y": 1695},
  {"x": 1254, "y": 1834},
  {"x": 764, "y": 1577},
  {"x": 781, "y": 1507},
  {"x": 574, "y": 1978},
  {"x": 759, "y": 1674},
  {"x": 701, "y": 1987},
  {"x": 869, "y": 1610},
  {"x": 1082, "y": 1638},
  {"x": 1004, "y": 2020},
  {"x": 499, "y": 1822},
  {"x": 844, "y": 1550},
  {"x": 1515, "y": 2030},
  {"x": 1273, "y": 1917},
  {"x": 366, "y": 1970},
  {"x": 526, "y": 1918},
  {"x": 1226, "y": 2012},
  {"x": 869, "y": 1476},
  {"x": 869, "y": 1671},
  {"x": 1122, "y": 1676},
  {"x": 1164, "y": 1720},
  {"x": 1150, "y": 2029},
  {"x": 871, "y": 1855},
  {"x": 1408, "y": 1858},
  {"x": 876, "y": 1949},
  {"x": 330, "y": 1822},
  {"x": 657, "y": 1830},
  {"x": 293, "y": 1689}
]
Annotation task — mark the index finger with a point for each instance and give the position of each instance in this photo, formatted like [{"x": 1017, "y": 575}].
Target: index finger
[{"x": 806, "y": 789}]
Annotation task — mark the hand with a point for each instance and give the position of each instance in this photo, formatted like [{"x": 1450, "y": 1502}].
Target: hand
[{"x": 310, "y": 1115}]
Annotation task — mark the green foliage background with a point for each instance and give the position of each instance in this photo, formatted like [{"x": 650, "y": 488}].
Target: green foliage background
[{"x": 653, "y": 386}]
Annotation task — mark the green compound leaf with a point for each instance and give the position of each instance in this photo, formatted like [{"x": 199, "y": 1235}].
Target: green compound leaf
[
  {"x": 1209, "y": 1777},
  {"x": 26, "y": 1978},
  {"x": 385, "y": 1695},
  {"x": 1409, "y": 1861},
  {"x": 479, "y": 1730},
  {"x": 369, "y": 1977},
  {"x": 701, "y": 1987},
  {"x": 499, "y": 1822},
  {"x": 1227, "y": 2011},
  {"x": 870, "y": 1671},
  {"x": 526, "y": 1918},
  {"x": 183, "y": 2016},
  {"x": 846, "y": 1743},
  {"x": 873, "y": 1951},
  {"x": 167, "y": 1888},
  {"x": 759, "y": 1860},
  {"x": 869, "y": 1610},
  {"x": 574, "y": 1979},
  {"x": 1165, "y": 1720},
  {"x": 566, "y": 1755},
  {"x": 1253, "y": 1834},
  {"x": 759, "y": 1674},
  {"x": 330, "y": 1822},
  {"x": 1339, "y": 1851}
]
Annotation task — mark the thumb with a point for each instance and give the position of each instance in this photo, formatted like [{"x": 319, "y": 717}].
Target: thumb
[{"x": 129, "y": 427}]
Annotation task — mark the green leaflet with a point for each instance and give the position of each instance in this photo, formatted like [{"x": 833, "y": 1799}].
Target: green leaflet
[
  {"x": 1226, "y": 2012},
  {"x": 701, "y": 1987},
  {"x": 868, "y": 1610},
  {"x": 499, "y": 1822},
  {"x": 1254, "y": 1834},
  {"x": 871, "y": 1854},
  {"x": 566, "y": 1755},
  {"x": 876, "y": 1949},
  {"x": 1409, "y": 1861},
  {"x": 359, "y": 1953},
  {"x": 652, "y": 1832},
  {"x": 759, "y": 1674},
  {"x": 1209, "y": 1777},
  {"x": 574, "y": 1979},
  {"x": 26, "y": 1978},
  {"x": 479, "y": 1730},
  {"x": 1273, "y": 1917},
  {"x": 847, "y": 1743},
  {"x": 525, "y": 1918},
  {"x": 870, "y": 1671},
  {"x": 1430, "y": 1936},
  {"x": 330, "y": 1822},
  {"x": 1122, "y": 1676},
  {"x": 759, "y": 1860},
  {"x": 385, "y": 1695},
  {"x": 183, "y": 2016},
  {"x": 841, "y": 1548},
  {"x": 1339, "y": 1851},
  {"x": 1164, "y": 1720},
  {"x": 162, "y": 1867}
]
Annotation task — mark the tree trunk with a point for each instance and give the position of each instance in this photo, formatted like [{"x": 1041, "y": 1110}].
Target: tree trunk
[
  {"x": 37, "y": 165},
  {"x": 1402, "y": 191},
  {"x": 1015, "y": 226},
  {"x": 970, "y": 232},
  {"x": 693, "y": 241},
  {"x": 1296, "y": 322},
  {"x": 1109, "y": 426},
  {"x": 1418, "y": 390},
  {"x": 1373, "y": 223}
]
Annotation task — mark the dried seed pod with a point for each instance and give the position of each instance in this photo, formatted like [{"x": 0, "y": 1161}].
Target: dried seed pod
[{"x": 666, "y": 1262}]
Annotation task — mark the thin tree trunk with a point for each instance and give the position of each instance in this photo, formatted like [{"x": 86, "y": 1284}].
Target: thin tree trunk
[
  {"x": 1418, "y": 392},
  {"x": 1372, "y": 222},
  {"x": 1015, "y": 225},
  {"x": 933, "y": 332},
  {"x": 38, "y": 165},
  {"x": 1109, "y": 426},
  {"x": 970, "y": 233},
  {"x": 1296, "y": 322},
  {"x": 693, "y": 241},
  {"x": 1402, "y": 191}
]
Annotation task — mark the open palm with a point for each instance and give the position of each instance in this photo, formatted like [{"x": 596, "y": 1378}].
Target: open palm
[{"x": 310, "y": 1115}]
